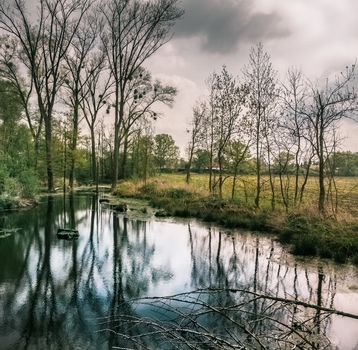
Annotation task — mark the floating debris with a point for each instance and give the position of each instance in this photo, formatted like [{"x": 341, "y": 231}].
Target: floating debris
[{"x": 67, "y": 233}]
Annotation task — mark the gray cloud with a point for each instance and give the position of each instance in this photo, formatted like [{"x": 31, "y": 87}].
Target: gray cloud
[{"x": 223, "y": 24}]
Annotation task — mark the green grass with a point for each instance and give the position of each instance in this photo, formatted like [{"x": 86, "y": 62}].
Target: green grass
[{"x": 303, "y": 229}]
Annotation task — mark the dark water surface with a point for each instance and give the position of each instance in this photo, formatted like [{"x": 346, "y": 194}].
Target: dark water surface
[{"x": 57, "y": 294}]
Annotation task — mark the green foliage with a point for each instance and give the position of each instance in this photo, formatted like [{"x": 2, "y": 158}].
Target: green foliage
[
  {"x": 29, "y": 183},
  {"x": 283, "y": 164},
  {"x": 201, "y": 160},
  {"x": 304, "y": 244},
  {"x": 6, "y": 203},
  {"x": 236, "y": 155},
  {"x": 148, "y": 189},
  {"x": 312, "y": 235},
  {"x": 4, "y": 174},
  {"x": 25, "y": 184},
  {"x": 12, "y": 187},
  {"x": 141, "y": 157},
  {"x": 345, "y": 163},
  {"x": 10, "y": 105},
  {"x": 178, "y": 193},
  {"x": 17, "y": 177},
  {"x": 166, "y": 153}
]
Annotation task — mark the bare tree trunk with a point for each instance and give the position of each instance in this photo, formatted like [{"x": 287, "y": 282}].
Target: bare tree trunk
[
  {"x": 284, "y": 188},
  {"x": 233, "y": 189},
  {"x": 73, "y": 148},
  {"x": 48, "y": 143},
  {"x": 36, "y": 148},
  {"x": 124, "y": 172},
  {"x": 211, "y": 163},
  {"x": 189, "y": 165},
  {"x": 93, "y": 156},
  {"x": 283, "y": 194},
  {"x": 119, "y": 113},
  {"x": 272, "y": 185},
  {"x": 258, "y": 170},
  {"x": 321, "y": 172},
  {"x": 297, "y": 168},
  {"x": 221, "y": 181},
  {"x": 305, "y": 180}
]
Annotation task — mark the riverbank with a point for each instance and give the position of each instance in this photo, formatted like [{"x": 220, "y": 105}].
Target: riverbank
[
  {"x": 7, "y": 203},
  {"x": 305, "y": 232}
]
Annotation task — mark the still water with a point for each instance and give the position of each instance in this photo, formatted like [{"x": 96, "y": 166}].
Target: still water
[{"x": 56, "y": 294}]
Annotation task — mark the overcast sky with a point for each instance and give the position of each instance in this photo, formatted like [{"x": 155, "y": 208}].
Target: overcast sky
[{"x": 318, "y": 36}]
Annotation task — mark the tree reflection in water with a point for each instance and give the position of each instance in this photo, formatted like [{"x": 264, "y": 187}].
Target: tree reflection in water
[
  {"x": 54, "y": 291},
  {"x": 91, "y": 293}
]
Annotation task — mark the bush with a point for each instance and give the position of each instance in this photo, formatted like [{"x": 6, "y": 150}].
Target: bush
[
  {"x": 148, "y": 189},
  {"x": 3, "y": 176},
  {"x": 12, "y": 187},
  {"x": 178, "y": 193},
  {"x": 29, "y": 183},
  {"x": 305, "y": 244},
  {"x": 6, "y": 203},
  {"x": 25, "y": 184}
]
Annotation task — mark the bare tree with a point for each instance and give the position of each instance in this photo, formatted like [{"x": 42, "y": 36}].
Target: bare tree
[
  {"x": 75, "y": 79},
  {"x": 196, "y": 133},
  {"x": 236, "y": 152},
  {"x": 293, "y": 96},
  {"x": 43, "y": 40},
  {"x": 210, "y": 121},
  {"x": 229, "y": 102},
  {"x": 135, "y": 30},
  {"x": 261, "y": 83},
  {"x": 142, "y": 97},
  {"x": 270, "y": 124},
  {"x": 282, "y": 165},
  {"x": 328, "y": 105},
  {"x": 95, "y": 95}
]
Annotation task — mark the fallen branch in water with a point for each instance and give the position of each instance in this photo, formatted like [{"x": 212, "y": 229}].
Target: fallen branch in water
[
  {"x": 220, "y": 319},
  {"x": 288, "y": 301}
]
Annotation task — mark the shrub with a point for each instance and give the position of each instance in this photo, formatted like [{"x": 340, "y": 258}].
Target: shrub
[
  {"x": 3, "y": 176},
  {"x": 305, "y": 244},
  {"x": 6, "y": 203},
  {"x": 148, "y": 189},
  {"x": 12, "y": 187},
  {"x": 178, "y": 193},
  {"x": 29, "y": 183}
]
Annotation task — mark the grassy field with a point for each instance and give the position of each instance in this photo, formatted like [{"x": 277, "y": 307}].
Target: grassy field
[
  {"x": 334, "y": 237},
  {"x": 347, "y": 190}
]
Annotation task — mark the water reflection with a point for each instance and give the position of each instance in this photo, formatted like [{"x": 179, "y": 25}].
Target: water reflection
[{"x": 57, "y": 294}]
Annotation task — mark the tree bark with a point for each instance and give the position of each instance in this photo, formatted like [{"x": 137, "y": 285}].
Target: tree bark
[
  {"x": 322, "y": 190},
  {"x": 119, "y": 113},
  {"x": 48, "y": 143},
  {"x": 93, "y": 156},
  {"x": 73, "y": 147}
]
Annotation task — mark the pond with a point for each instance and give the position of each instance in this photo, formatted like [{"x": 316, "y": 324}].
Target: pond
[{"x": 98, "y": 292}]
